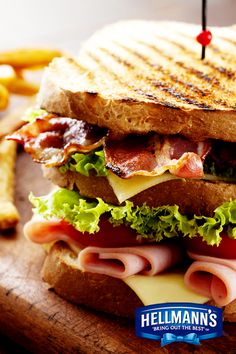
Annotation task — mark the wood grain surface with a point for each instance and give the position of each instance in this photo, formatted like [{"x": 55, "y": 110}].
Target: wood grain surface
[{"x": 40, "y": 321}]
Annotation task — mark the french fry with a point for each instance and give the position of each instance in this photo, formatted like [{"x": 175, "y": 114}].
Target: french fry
[
  {"x": 7, "y": 75},
  {"x": 4, "y": 97},
  {"x": 12, "y": 66},
  {"x": 9, "y": 215},
  {"x": 19, "y": 73},
  {"x": 13, "y": 121},
  {"x": 23, "y": 87},
  {"x": 26, "y": 58}
]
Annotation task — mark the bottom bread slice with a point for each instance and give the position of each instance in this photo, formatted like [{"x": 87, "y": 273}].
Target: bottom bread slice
[{"x": 96, "y": 291}]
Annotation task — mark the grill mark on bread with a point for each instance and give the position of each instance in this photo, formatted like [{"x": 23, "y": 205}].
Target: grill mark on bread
[
  {"x": 151, "y": 96},
  {"x": 156, "y": 83},
  {"x": 223, "y": 71},
  {"x": 192, "y": 86},
  {"x": 198, "y": 73},
  {"x": 124, "y": 83},
  {"x": 212, "y": 47},
  {"x": 226, "y": 57},
  {"x": 227, "y": 72},
  {"x": 176, "y": 94},
  {"x": 166, "y": 87},
  {"x": 195, "y": 93},
  {"x": 121, "y": 82},
  {"x": 139, "y": 90},
  {"x": 191, "y": 70},
  {"x": 166, "y": 71},
  {"x": 200, "y": 83},
  {"x": 175, "y": 78},
  {"x": 230, "y": 40}
]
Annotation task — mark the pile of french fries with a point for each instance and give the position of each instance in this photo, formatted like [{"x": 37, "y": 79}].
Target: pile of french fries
[
  {"x": 9, "y": 215},
  {"x": 13, "y": 67}
]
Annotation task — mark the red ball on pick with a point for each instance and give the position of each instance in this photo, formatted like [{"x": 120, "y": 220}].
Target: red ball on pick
[{"x": 204, "y": 38}]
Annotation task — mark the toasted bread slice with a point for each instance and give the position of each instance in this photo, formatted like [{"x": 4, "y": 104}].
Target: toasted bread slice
[
  {"x": 96, "y": 291},
  {"x": 193, "y": 196},
  {"x": 139, "y": 76}
]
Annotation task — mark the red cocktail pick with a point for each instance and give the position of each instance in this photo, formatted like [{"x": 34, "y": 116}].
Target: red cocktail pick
[{"x": 204, "y": 38}]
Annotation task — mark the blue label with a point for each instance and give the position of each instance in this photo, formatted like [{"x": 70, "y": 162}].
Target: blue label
[{"x": 179, "y": 322}]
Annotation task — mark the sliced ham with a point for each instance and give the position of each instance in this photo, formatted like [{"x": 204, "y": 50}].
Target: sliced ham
[
  {"x": 153, "y": 155},
  {"x": 212, "y": 277},
  {"x": 118, "y": 265},
  {"x": 42, "y": 231},
  {"x": 231, "y": 263},
  {"x": 51, "y": 139},
  {"x": 116, "y": 262},
  {"x": 125, "y": 261}
]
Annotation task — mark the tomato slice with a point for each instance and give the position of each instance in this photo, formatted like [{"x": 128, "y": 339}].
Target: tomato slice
[
  {"x": 226, "y": 248},
  {"x": 107, "y": 236}
]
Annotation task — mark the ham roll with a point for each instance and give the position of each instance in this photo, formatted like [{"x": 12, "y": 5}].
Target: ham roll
[
  {"x": 126, "y": 261},
  {"x": 42, "y": 231},
  {"x": 212, "y": 277},
  {"x": 116, "y": 262}
]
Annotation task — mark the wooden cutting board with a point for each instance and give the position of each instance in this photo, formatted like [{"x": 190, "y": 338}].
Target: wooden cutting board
[{"x": 44, "y": 323}]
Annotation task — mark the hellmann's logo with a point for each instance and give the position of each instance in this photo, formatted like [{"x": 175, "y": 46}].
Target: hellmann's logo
[{"x": 178, "y": 322}]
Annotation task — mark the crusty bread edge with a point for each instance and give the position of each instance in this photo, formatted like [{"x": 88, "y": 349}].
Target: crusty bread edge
[{"x": 96, "y": 291}]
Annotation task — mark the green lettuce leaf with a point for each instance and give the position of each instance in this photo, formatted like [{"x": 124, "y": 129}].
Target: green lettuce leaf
[
  {"x": 85, "y": 163},
  {"x": 32, "y": 113},
  {"x": 152, "y": 223},
  {"x": 227, "y": 172}
]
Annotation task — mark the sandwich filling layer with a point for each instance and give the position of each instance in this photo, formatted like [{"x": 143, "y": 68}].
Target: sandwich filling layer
[
  {"x": 74, "y": 145},
  {"x": 152, "y": 224},
  {"x": 141, "y": 267},
  {"x": 123, "y": 240}
]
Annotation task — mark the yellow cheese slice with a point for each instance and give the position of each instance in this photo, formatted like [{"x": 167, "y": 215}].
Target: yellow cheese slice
[
  {"x": 127, "y": 188},
  {"x": 161, "y": 288}
]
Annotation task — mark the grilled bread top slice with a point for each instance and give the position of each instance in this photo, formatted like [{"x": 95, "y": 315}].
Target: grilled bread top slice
[{"x": 139, "y": 76}]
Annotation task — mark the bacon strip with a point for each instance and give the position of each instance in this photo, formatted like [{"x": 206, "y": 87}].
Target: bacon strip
[
  {"x": 51, "y": 139},
  {"x": 126, "y": 261},
  {"x": 212, "y": 277},
  {"x": 154, "y": 155}
]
